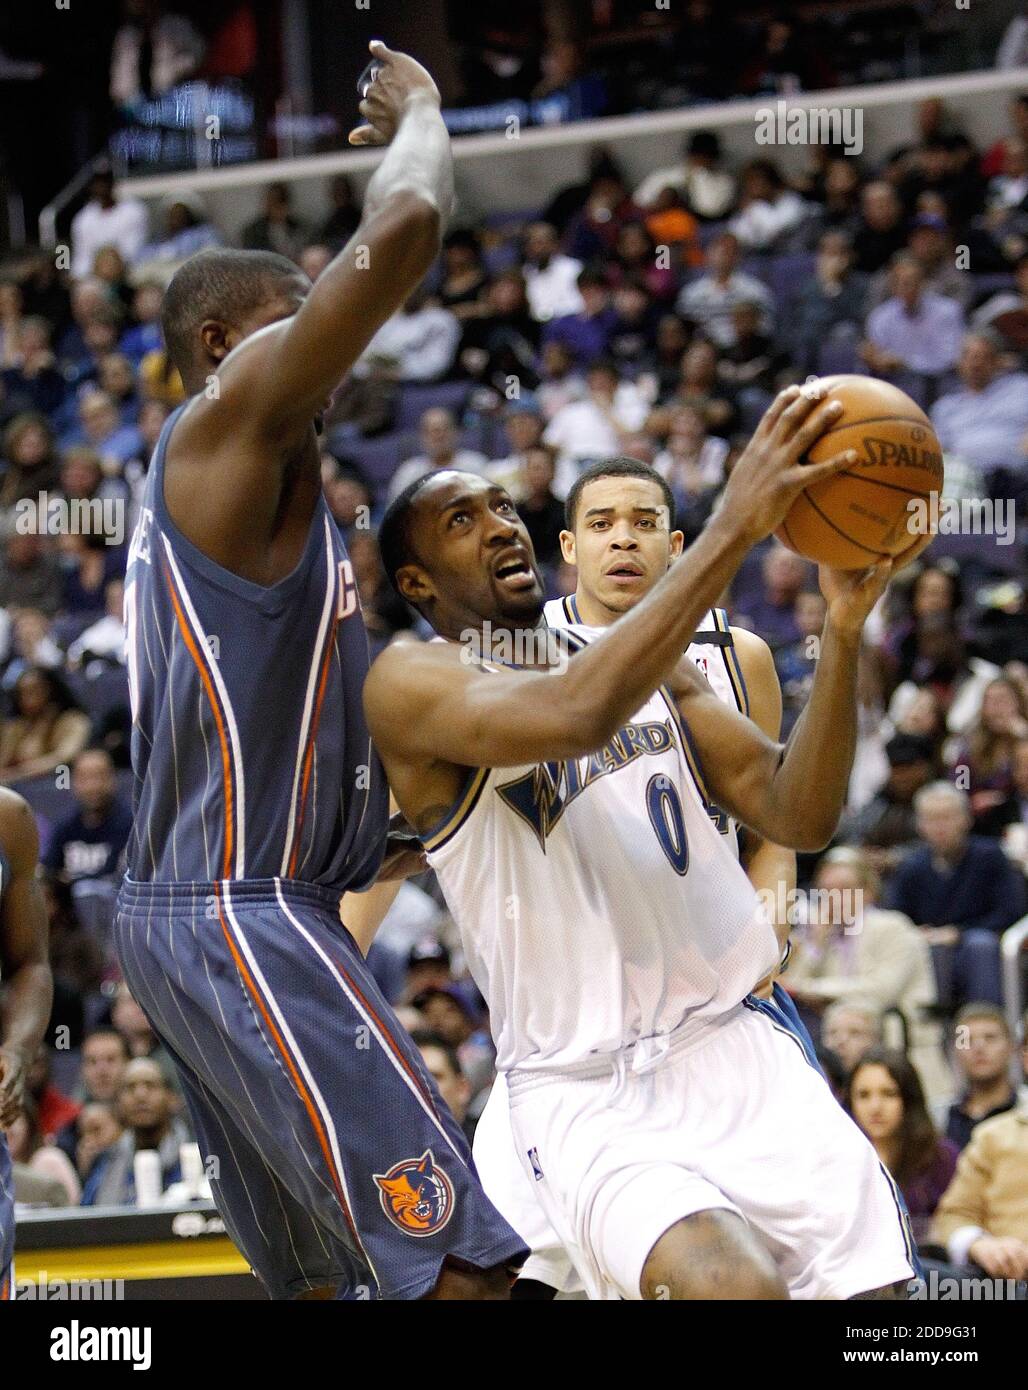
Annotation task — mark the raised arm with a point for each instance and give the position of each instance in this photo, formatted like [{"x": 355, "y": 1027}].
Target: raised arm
[
  {"x": 248, "y": 425},
  {"x": 794, "y": 794},
  {"x": 24, "y": 964},
  {"x": 426, "y": 703}
]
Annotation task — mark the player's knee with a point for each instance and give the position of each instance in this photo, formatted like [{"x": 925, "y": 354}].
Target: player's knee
[
  {"x": 459, "y": 1281},
  {"x": 711, "y": 1255}
]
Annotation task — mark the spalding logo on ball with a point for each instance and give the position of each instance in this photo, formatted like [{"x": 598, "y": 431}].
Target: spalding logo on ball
[{"x": 863, "y": 514}]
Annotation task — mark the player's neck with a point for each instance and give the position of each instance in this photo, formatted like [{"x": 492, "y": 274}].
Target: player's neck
[{"x": 593, "y": 613}]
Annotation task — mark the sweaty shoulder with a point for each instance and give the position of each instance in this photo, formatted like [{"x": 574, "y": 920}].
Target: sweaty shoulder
[{"x": 400, "y": 677}]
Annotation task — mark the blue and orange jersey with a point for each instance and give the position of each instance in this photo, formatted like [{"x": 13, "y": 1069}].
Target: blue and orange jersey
[{"x": 250, "y": 751}]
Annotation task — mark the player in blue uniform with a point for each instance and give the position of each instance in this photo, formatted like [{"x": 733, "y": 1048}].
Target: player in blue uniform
[
  {"x": 26, "y": 987},
  {"x": 258, "y": 798}
]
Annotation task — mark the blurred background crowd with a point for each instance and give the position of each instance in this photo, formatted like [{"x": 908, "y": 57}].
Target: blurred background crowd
[{"x": 653, "y": 320}]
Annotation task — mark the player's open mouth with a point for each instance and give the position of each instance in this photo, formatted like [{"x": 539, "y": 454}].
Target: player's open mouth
[
  {"x": 515, "y": 573},
  {"x": 625, "y": 572}
]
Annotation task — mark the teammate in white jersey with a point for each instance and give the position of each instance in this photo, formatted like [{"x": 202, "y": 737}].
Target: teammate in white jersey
[
  {"x": 619, "y": 538},
  {"x": 567, "y": 813}
]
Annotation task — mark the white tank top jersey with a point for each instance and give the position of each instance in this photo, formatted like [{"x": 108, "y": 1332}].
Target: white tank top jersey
[{"x": 600, "y": 899}]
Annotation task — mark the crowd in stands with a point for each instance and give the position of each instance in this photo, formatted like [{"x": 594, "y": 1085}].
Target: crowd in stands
[{"x": 654, "y": 321}]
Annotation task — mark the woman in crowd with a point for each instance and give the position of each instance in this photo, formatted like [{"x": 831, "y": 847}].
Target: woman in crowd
[
  {"x": 31, "y": 459},
  {"x": 985, "y": 759},
  {"x": 28, "y": 1147},
  {"x": 885, "y": 1098},
  {"x": 47, "y": 728}
]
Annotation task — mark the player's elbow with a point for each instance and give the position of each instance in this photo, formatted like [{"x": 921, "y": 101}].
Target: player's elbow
[{"x": 812, "y": 831}]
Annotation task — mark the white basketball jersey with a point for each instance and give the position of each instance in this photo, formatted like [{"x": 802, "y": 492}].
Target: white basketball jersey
[
  {"x": 598, "y": 900},
  {"x": 712, "y": 651}
]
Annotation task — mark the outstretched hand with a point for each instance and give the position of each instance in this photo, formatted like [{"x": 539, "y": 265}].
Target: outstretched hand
[{"x": 398, "y": 80}]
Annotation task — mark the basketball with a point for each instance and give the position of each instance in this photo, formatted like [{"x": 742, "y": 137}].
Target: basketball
[{"x": 862, "y": 514}]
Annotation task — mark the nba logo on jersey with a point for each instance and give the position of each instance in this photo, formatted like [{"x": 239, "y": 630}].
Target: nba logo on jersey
[
  {"x": 416, "y": 1195},
  {"x": 537, "y": 1168}
]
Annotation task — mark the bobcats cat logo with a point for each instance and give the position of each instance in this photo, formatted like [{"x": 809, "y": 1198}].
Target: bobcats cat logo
[{"x": 416, "y": 1195}]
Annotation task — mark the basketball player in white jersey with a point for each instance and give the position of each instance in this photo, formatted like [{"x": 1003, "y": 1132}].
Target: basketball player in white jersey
[
  {"x": 567, "y": 814},
  {"x": 620, "y": 539}
]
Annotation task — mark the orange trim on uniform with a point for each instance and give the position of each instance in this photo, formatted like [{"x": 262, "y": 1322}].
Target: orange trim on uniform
[
  {"x": 311, "y": 737},
  {"x": 226, "y": 763},
  {"x": 301, "y": 1090},
  {"x": 5, "y": 1287}
]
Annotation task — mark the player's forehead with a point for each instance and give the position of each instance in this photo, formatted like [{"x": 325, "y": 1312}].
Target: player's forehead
[
  {"x": 620, "y": 495},
  {"x": 450, "y": 489}
]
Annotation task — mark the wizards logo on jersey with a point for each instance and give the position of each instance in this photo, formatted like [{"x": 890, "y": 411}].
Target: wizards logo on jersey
[
  {"x": 543, "y": 795},
  {"x": 416, "y": 1195}
]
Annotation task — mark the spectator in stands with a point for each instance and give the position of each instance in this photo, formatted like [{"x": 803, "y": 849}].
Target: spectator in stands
[
  {"x": 984, "y": 761},
  {"x": 419, "y": 343},
  {"x": 984, "y": 1050},
  {"x": 913, "y": 331},
  {"x": 53, "y": 1108},
  {"x": 887, "y": 826},
  {"x": 106, "y": 221},
  {"x": 444, "y": 1067},
  {"x": 117, "y": 378},
  {"x": 32, "y": 644},
  {"x": 153, "y": 51},
  {"x": 88, "y": 843},
  {"x": 931, "y": 245},
  {"x": 128, "y": 1019},
  {"x": 146, "y": 1108},
  {"x": 501, "y": 341},
  {"x": 985, "y": 420},
  {"x": 851, "y": 949},
  {"x": 186, "y": 229},
  {"x": 983, "y": 1216},
  {"x": 277, "y": 229},
  {"x": 754, "y": 367},
  {"x": 103, "y": 640},
  {"x": 594, "y": 427},
  {"x": 585, "y": 334},
  {"x": 551, "y": 278},
  {"x": 631, "y": 343},
  {"x": 698, "y": 386},
  {"x": 593, "y": 230},
  {"x": 98, "y": 1130},
  {"x": 104, "y": 1059},
  {"x": 448, "y": 1013},
  {"x": 345, "y": 216},
  {"x": 709, "y": 190},
  {"x": 428, "y": 967},
  {"x": 962, "y": 890},
  {"x": 882, "y": 229},
  {"x": 29, "y": 1148},
  {"x": 31, "y": 459},
  {"x": 90, "y": 565},
  {"x": 850, "y": 1029},
  {"x": 827, "y": 305},
  {"x": 523, "y": 426},
  {"x": 12, "y": 319},
  {"x": 538, "y": 506},
  {"x": 34, "y": 382},
  {"x": 885, "y": 1098},
  {"x": 637, "y": 260},
  {"x": 30, "y": 576},
  {"x": 773, "y": 612},
  {"x": 46, "y": 729},
  {"x": 464, "y": 278},
  {"x": 145, "y": 333},
  {"x": 104, "y": 431},
  {"x": 708, "y": 302},
  {"x": 440, "y": 443},
  {"x": 769, "y": 211},
  {"x": 692, "y": 463},
  {"x": 796, "y": 661}
]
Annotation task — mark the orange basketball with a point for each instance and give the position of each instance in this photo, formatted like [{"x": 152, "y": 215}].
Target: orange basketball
[{"x": 863, "y": 514}]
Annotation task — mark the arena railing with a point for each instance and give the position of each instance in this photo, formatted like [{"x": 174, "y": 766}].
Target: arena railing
[
  {"x": 522, "y": 167},
  {"x": 1013, "y": 944}
]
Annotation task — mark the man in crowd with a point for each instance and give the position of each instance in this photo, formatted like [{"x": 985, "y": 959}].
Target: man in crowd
[
  {"x": 983, "y": 1049},
  {"x": 962, "y": 890},
  {"x": 146, "y": 1106},
  {"x": 88, "y": 843}
]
